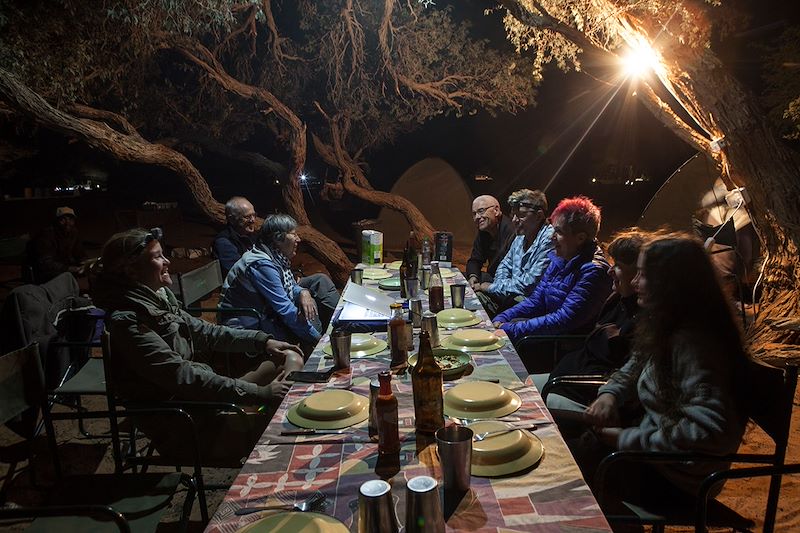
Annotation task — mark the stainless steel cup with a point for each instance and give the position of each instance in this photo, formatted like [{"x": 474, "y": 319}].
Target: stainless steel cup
[
  {"x": 376, "y": 508},
  {"x": 429, "y": 324},
  {"x": 425, "y": 280},
  {"x": 412, "y": 287},
  {"x": 340, "y": 346},
  {"x": 454, "y": 444},
  {"x": 409, "y": 335},
  {"x": 374, "y": 388},
  {"x": 415, "y": 310},
  {"x": 423, "y": 507},
  {"x": 457, "y": 291},
  {"x": 357, "y": 275}
]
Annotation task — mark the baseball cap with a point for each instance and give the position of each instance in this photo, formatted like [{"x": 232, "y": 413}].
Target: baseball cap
[{"x": 65, "y": 212}]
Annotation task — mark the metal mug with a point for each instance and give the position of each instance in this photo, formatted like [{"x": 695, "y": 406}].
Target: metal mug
[
  {"x": 357, "y": 276},
  {"x": 415, "y": 310},
  {"x": 454, "y": 444},
  {"x": 425, "y": 279},
  {"x": 376, "y": 508},
  {"x": 430, "y": 324},
  {"x": 340, "y": 346},
  {"x": 457, "y": 293},
  {"x": 412, "y": 287},
  {"x": 423, "y": 507}
]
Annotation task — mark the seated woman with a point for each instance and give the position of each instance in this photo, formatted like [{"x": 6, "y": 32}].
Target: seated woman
[
  {"x": 688, "y": 373},
  {"x": 263, "y": 280},
  {"x": 160, "y": 352},
  {"x": 607, "y": 347}
]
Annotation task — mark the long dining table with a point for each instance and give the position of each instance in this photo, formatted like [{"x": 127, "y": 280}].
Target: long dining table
[{"x": 548, "y": 497}]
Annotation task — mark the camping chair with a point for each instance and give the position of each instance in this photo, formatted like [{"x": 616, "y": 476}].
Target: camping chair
[
  {"x": 532, "y": 349},
  {"x": 132, "y": 502},
  {"x": 191, "y": 456},
  {"x": 771, "y": 409}
]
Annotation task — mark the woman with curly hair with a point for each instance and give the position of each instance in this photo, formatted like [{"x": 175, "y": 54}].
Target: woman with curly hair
[{"x": 687, "y": 372}]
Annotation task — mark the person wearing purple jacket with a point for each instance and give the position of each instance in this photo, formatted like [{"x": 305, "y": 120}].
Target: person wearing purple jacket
[{"x": 575, "y": 285}]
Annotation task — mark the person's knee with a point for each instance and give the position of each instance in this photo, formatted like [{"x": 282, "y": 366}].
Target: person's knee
[{"x": 294, "y": 361}]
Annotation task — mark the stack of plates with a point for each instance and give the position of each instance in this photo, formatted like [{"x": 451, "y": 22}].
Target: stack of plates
[
  {"x": 395, "y": 265},
  {"x": 329, "y": 409},
  {"x": 292, "y": 522},
  {"x": 452, "y": 362},
  {"x": 480, "y": 399},
  {"x": 456, "y": 318},
  {"x": 473, "y": 340},
  {"x": 376, "y": 273},
  {"x": 390, "y": 284},
  {"x": 361, "y": 345},
  {"x": 506, "y": 453}
]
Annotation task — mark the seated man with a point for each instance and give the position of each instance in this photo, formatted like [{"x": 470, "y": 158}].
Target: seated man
[
  {"x": 527, "y": 258},
  {"x": 160, "y": 352},
  {"x": 607, "y": 347},
  {"x": 238, "y": 235},
  {"x": 57, "y": 248},
  {"x": 262, "y": 279},
  {"x": 572, "y": 291},
  {"x": 495, "y": 231}
]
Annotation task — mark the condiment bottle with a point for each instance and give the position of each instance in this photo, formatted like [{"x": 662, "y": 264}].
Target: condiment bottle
[
  {"x": 426, "y": 380},
  {"x": 405, "y": 272},
  {"x": 435, "y": 290},
  {"x": 397, "y": 337},
  {"x": 386, "y": 411}
]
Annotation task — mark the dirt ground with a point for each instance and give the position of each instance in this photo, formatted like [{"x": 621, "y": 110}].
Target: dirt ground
[{"x": 82, "y": 455}]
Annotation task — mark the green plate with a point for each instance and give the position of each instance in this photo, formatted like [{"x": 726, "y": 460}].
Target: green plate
[
  {"x": 391, "y": 284},
  {"x": 453, "y": 362}
]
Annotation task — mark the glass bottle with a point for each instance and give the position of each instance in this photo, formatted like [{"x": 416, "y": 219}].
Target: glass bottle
[
  {"x": 386, "y": 410},
  {"x": 397, "y": 337},
  {"x": 405, "y": 268},
  {"x": 435, "y": 289},
  {"x": 426, "y": 380},
  {"x": 426, "y": 252},
  {"x": 414, "y": 257}
]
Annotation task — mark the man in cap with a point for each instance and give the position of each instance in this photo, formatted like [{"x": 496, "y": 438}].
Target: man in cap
[{"x": 57, "y": 248}]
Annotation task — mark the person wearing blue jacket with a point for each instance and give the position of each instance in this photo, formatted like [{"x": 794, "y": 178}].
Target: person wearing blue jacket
[
  {"x": 263, "y": 280},
  {"x": 574, "y": 287}
]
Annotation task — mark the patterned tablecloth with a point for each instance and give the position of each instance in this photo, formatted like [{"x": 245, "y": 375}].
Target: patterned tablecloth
[{"x": 550, "y": 496}]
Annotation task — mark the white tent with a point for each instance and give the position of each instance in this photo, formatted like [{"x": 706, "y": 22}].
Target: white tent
[{"x": 440, "y": 194}]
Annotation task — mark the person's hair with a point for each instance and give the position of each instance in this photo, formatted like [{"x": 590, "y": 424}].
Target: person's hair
[
  {"x": 537, "y": 198},
  {"x": 233, "y": 207},
  {"x": 275, "y": 228},
  {"x": 683, "y": 293},
  {"x": 626, "y": 244},
  {"x": 580, "y": 214},
  {"x": 121, "y": 252}
]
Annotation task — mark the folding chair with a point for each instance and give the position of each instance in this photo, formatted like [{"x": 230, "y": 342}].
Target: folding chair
[
  {"x": 132, "y": 502},
  {"x": 534, "y": 350},
  {"x": 771, "y": 400}
]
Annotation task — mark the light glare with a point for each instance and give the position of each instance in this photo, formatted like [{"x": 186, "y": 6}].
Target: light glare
[{"x": 640, "y": 60}]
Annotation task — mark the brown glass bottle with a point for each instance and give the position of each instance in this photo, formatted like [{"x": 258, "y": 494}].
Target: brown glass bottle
[
  {"x": 426, "y": 380},
  {"x": 397, "y": 337},
  {"x": 435, "y": 291},
  {"x": 405, "y": 272},
  {"x": 386, "y": 410}
]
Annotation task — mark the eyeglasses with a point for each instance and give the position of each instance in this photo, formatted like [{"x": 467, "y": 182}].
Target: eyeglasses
[
  {"x": 251, "y": 216},
  {"x": 155, "y": 234},
  {"x": 528, "y": 207},
  {"x": 482, "y": 211}
]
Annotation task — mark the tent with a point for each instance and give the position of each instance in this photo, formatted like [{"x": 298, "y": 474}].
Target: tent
[{"x": 440, "y": 194}]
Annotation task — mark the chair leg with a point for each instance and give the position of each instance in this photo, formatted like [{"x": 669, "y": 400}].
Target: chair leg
[
  {"x": 188, "y": 503},
  {"x": 201, "y": 495}
]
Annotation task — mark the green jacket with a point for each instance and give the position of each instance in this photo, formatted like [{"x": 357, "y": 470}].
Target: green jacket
[{"x": 160, "y": 352}]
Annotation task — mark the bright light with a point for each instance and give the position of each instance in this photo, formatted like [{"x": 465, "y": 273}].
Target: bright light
[
  {"x": 303, "y": 177},
  {"x": 641, "y": 59}
]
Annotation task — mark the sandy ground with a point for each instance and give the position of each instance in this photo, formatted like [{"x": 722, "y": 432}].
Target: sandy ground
[{"x": 82, "y": 455}]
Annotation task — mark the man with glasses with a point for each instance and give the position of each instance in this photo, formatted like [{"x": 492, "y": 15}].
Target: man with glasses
[
  {"x": 527, "y": 258},
  {"x": 238, "y": 236},
  {"x": 495, "y": 232}
]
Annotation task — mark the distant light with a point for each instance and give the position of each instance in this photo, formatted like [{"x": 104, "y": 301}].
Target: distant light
[
  {"x": 277, "y": 182},
  {"x": 594, "y": 180},
  {"x": 303, "y": 177},
  {"x": 640, "y": 59}
]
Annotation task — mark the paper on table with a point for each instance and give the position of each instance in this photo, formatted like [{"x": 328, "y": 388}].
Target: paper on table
[
  {"x": 367, "y": 298},
  {"x": 351, "y": 311}
]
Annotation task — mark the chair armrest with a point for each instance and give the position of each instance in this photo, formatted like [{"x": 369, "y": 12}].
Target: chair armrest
[
  {"x": 247, "y": 311},
  {"x": 580, "y": 380},
  {"x": 98, "y": 511}
]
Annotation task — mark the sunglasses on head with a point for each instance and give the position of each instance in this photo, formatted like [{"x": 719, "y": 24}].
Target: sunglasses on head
[
  {"x": 526, "y": 205},
  {"x": 155, "y": 234}
]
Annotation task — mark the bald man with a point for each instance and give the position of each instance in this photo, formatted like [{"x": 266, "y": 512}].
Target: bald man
[
  {"x": 495, "y": 232},
  {"x": 238, "y": 236}
]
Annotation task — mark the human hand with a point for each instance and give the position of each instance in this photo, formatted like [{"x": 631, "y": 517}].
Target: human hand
[
  {"x": 608, "y": 436},
  {"x": 278, "y": 351},
  {"x": 307, "y": 305},
  {"x": 603, "y": 411},
  {"x": 498, "y": 324},
  {"x": 482, "y": 287},
  {"x": 275, "y": 390},
  {"x": 473, "y": 282}
]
